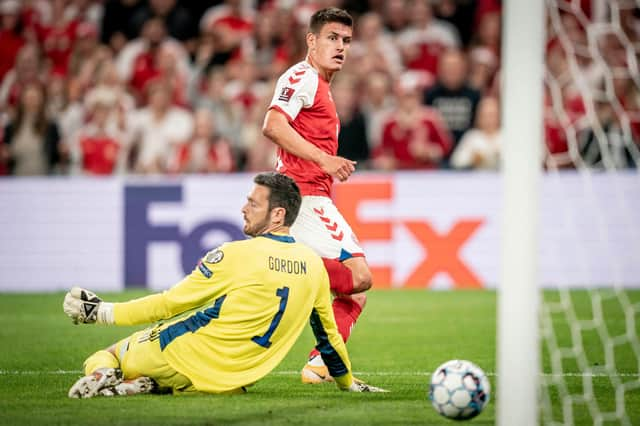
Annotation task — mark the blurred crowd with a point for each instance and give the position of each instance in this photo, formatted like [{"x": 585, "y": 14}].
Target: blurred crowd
[{"x": 167, "y": 86}]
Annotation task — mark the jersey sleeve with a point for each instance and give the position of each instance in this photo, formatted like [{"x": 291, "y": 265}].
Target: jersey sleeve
[
  {"x": 205, "y": 283},
  {"x": 329, "y": 342},
  {"x": 295, "y": 90}
]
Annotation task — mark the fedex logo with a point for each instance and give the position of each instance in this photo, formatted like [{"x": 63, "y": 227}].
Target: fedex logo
[
  {"x": 442, "y": 248},
  {"x": 409, "y": 241},
  {"x": 140, "y": 233}
]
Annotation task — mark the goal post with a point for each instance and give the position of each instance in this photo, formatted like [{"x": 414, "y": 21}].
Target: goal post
[{"x": 518, "y": 293}]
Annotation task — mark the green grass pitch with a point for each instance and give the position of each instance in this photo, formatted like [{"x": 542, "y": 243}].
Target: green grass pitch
[{"x": 401, "y": 337}]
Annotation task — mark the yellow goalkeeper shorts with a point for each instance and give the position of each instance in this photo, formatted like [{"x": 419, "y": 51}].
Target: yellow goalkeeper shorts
[{"x": 140, "y": 355}]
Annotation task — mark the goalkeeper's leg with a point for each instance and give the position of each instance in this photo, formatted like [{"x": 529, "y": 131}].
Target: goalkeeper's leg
[
  {"x": 104, "y": 375},
  {"x": 102, "y": 370}
]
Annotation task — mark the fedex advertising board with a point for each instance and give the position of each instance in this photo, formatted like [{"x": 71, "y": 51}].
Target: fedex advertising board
[{"x": 419, "y": 230}]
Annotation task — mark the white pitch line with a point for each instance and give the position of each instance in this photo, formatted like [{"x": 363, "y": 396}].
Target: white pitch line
[{"x": 357, "y": 373}]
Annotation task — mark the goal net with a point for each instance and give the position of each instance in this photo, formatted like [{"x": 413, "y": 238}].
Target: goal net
[{"x": 589, "y": 333}]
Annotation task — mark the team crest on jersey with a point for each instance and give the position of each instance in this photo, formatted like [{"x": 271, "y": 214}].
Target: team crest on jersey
[
  {"x": 214, "y": 256},
  {"x": 286, "y": 94}
]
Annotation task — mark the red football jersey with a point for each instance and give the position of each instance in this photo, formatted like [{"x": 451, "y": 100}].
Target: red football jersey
[
  {"x": 99, "y": 154},
  {"x": 304, "y": 97}
]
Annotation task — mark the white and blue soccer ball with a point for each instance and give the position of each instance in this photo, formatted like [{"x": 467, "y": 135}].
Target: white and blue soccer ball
[{"x": 459, "y": 389}]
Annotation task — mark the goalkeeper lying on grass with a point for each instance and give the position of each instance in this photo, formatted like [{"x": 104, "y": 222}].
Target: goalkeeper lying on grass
[{"x": 230, "y": 322}]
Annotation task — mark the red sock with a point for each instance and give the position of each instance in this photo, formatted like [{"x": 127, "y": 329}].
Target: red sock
[
  {"x": 340, "y": 277},
  {"x": 346, "y": 311}
]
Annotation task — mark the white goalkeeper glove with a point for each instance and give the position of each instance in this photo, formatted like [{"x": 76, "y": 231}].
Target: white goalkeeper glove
[
  {"x": 84, "y": 307},
  {"x": 363, "y": 387}
]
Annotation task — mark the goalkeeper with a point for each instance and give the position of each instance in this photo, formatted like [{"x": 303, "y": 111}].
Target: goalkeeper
[{"x": 227, "y": 324}]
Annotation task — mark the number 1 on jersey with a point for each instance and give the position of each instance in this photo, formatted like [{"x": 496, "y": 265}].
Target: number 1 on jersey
[{"x": 283, "y": 294}]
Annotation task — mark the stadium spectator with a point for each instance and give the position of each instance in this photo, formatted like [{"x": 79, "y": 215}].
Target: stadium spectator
[
  {"x": 483, "y": 65},
  {"x": 264, "y": 48},
  {"x": 117, "y": 28},
  {"x": 233, "y": 15},
  {"x": 205, "y": 152},
  {"x": 99, "y": 142},
  {"x": 11, "y": 38},
  {"x": 228, "y": 116},
  {"x": 376, "y": 104},
  {"x": 34, "y": 14},
  {"x": 107, "y": 79},
  {"x": 233, "y": 293},
  {"x": 28, "y": 69},
  {"x": 243, "y": 88},
  {"x": 374, "y": 49},
  {"x": 452, "y": 96},
  {"x": 414, "y": 136},
  {"x": 395, "y": 15},
  {"x": 460, "y": 14},
  {"x": 614, "y": 142},
  {"x": 302, "y": 121},
  {"x": 425, "y": 39},
  {"x": 79, "y": 96},
  {"x": 167, "y": 69},
  {"x": 260, "y": 153},
  {"x": 72, "y": 116},
  {"x": 479, "y": 147},
  {"x": 31, "y": 140},
  {"x": 290, "y": 33},
  {"x": 487, "y": 34},
  {"x": 229, "y": 23},
  {"x": 352, "y": 140},
  {"x": 86, "y": 48},
  {"x": 137, "y": 63},
  {"x": 177, "y": 18},
  {"x": 562, "y": 109},
  {"x": 57, "y": 36},
  {"x": 156, "y": 130}
]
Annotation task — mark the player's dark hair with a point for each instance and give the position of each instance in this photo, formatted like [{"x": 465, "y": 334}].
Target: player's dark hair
[
  {"x": 328, "y": 15},
  {"x": 283, "y": 193}
]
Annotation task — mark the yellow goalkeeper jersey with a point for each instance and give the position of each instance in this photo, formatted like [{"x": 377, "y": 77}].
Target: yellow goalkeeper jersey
[{"x": 246, "y": 304}]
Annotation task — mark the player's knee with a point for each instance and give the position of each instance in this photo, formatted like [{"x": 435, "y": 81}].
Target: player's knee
[
  {"x": 362, "y": 280},
  {"x": 112, "y": 349},
  {"x": 360, "y": 299}
]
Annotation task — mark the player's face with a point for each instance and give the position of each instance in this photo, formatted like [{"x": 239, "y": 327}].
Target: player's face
[
  {"x": 328, "y": 49},
  {"x": 256, "y": 214}
]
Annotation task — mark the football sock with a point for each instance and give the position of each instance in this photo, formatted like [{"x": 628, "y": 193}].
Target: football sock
[
  {"x": 346, "y": 311},
  {"x": 340, "y": 277},
  {"x": 100, "y": 359}
]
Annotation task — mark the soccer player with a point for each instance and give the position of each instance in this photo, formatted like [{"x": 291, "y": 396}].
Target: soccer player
[
  {"x": 243, "y": 307},
  {"x": 303, "y": 122}
]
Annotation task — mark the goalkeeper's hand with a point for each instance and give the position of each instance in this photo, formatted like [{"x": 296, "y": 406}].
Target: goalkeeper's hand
[
  {"x": 84, "y": 307},
  {"x": 363, "y": 387}
]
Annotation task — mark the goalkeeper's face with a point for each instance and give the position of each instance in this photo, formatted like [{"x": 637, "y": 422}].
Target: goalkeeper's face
[
  {"x": 328, "y": 49},
  {"x": 256, "y": 214}
]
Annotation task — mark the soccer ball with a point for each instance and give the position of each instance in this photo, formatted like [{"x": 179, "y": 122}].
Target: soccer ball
[{"x": 459, "y": 390}]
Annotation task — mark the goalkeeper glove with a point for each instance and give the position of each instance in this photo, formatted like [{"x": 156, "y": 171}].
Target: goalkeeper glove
[{"x": 83, "y": 306}]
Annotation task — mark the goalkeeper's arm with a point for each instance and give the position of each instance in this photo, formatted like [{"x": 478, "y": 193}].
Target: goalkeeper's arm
[
  {"x": 84, "y": 307},
  {"x": 196, "y": 289}
]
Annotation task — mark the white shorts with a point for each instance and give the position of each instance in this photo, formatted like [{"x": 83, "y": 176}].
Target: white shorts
[{"x": 321, "y": 226}]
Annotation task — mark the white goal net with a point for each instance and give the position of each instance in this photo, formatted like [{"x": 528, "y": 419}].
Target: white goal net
[{"x": 589, "y": 336}]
